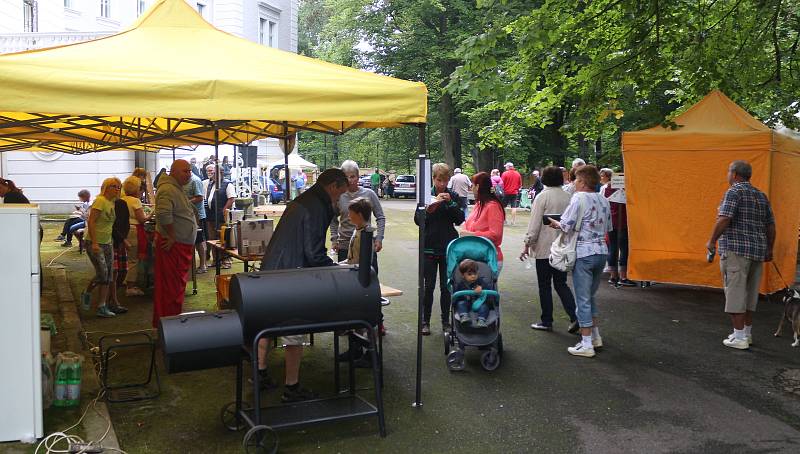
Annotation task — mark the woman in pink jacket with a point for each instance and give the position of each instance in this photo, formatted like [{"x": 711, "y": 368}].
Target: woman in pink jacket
[{"x": 487, "y": 217}]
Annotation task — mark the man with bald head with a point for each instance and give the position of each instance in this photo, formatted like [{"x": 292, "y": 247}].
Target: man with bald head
[{"x": 176, "y": 230}]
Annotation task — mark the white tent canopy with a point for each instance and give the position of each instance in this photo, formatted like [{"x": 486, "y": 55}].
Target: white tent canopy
[{"x": 296, "y": 162}]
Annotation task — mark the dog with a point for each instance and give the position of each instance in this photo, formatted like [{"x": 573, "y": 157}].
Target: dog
[{"x": 791, "y": 312}]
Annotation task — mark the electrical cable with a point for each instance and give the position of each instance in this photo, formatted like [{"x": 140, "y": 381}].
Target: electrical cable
[{"x": 51, "y": 441}]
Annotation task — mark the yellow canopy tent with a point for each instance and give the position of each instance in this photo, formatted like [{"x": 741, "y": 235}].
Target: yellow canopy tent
[
  {"x": 675, "y": 180},
  {"x": 172, "y": 79}
]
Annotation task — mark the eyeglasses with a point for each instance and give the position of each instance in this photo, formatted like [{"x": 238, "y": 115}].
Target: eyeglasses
[{"x": 113, "y": 186}]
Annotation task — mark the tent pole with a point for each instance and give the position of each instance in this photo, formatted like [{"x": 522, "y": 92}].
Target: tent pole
[
  {"x": 421, "y": 262},
  {"x": 217, "y": 176},
  {"x": 286, "y": 151}
]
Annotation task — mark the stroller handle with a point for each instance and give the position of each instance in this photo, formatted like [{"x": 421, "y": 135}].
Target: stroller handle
[{"x": 463, "y": 293}]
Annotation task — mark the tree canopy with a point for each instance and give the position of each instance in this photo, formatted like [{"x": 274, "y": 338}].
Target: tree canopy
[{"x": 539, "y": 82}]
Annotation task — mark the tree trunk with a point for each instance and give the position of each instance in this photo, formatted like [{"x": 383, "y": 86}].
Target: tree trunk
[
  {"x": 335, "y": 147},
  {"x": 483, "y": 159},
  {"x": 451, "y": 134},
  {"x": 583, "y": 147},
  {"x": 598, "y": 149}
]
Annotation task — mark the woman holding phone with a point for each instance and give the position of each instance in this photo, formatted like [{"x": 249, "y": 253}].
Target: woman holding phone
[{"x": 551, "y": 201}]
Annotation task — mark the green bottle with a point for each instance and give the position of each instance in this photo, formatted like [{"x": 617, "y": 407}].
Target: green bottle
[
  {"x": 68, "y": 380},
  {"x": 62, "y": 371}
]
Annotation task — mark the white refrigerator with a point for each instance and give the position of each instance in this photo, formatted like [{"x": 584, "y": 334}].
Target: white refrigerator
[{"x": 20, "y": 354}]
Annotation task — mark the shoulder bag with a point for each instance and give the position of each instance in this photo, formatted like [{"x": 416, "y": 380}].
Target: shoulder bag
[{"x": 562, "y": 252}]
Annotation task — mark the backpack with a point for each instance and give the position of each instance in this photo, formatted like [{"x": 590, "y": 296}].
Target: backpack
[{"x": 562, "y": 252}]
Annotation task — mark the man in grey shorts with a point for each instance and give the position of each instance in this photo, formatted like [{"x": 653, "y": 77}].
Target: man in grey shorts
[{"x": 746, "y": 231}]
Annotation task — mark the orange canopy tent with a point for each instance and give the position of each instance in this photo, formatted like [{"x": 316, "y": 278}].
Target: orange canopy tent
[{"x": 675, "y": 180}]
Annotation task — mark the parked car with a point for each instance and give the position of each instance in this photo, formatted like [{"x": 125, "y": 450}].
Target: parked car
[
  {"x": 275, "y": 190},
  {"x": 365, "y": 181},
  {"x": 405, "y": 186}
]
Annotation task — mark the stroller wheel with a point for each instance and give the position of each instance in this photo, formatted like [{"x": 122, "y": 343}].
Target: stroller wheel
[
  {"x": 446, "y": 342},
  {"x": 455, "y": 360},
  {"x": 490, "y": 360},
  {"x": 500, "y": 344}
]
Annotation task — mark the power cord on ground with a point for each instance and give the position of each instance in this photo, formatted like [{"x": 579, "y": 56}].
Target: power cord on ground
[{"x": 75, "y": 444}]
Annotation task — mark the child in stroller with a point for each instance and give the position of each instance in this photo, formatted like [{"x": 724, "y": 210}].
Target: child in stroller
[{"x": 475, "y": 302}]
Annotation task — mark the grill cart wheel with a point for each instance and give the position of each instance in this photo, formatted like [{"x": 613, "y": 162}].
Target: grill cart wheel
[
  {"x": 230, "y": 419},
  {"x": 256, "y": 441}
]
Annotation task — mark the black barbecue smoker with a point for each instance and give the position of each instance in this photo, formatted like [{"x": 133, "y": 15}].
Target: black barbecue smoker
[{"x": 270, "y": 304}]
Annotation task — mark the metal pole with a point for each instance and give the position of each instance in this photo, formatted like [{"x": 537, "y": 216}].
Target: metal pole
[
  {"x": 421, "y": 264},
  {"x": 218, "y": 176},
  {"x": 286, "y": 152}
]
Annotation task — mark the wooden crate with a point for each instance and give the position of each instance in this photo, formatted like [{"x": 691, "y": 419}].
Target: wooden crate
[{"x": 223, "y": 291}]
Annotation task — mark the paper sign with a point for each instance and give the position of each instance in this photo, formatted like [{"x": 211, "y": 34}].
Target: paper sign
[
  {"x": 423, "y": 181},
  {"x": 618, "y": 181},
  {"x": 618, "y": 197}
]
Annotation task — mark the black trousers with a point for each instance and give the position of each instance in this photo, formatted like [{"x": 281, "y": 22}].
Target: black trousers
[
  {"x": 617, "y": 250},
  {"x": 432, "y": 265},
  {"x": 545, "y": 274}
]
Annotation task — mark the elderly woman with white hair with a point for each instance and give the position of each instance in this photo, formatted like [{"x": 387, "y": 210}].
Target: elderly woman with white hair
[{"x": 98, "y": 243}]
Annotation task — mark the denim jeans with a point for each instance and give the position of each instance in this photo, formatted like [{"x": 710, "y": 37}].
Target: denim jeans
[
  {"x": 586, "y": 279},
  {"x": 545, "y": 274},
  {"x": 464, "y": 306}
]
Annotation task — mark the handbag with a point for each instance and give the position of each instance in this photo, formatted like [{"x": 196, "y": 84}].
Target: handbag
[{"x": 562, "y": 252}]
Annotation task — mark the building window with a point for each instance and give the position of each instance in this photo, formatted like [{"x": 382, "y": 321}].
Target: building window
[
  {"x": 31, "y": 21},
  {"x": 273, "y": 40},
  {"x": 67, "y": 3},
  {"x": 105, "y": 8},
  {"x": 267, "y": 32},
  {"x": 140, "y": 7}
]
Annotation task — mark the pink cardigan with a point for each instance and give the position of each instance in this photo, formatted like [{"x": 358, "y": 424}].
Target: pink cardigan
[{"x": 488, "y": 225}]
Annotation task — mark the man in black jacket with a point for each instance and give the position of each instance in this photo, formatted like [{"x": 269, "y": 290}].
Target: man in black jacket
[
  {"x": 299, "y": 242},
  {"x": 440, "y": 217}
]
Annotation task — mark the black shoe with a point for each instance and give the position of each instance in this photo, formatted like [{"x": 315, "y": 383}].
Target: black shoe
[
  {"x": 573, "y": 327},
  {"x": 541, "y": 327},
  {"x": 345, "y": 356},
  {"x": 60, "y": 238},
  {"x": 298, "y": 394},
  {"x": 426, "y": 329},
  {"x": 363, "y": 363},
  {"x": 446, "y": 328},
  {"x": 613, "y": 281},
  {"x": 118, "y": 309},
  {"x": 66, "y": 244},
  {"x": 627, "y": 283},
  {"x": 265, "y": 382}
]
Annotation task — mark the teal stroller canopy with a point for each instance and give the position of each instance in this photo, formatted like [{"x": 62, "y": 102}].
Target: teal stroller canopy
[{"x": 471, "y": 247}]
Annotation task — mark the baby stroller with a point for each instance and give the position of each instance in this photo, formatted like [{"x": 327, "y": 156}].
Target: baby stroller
[{"x": 462, "y": 335}]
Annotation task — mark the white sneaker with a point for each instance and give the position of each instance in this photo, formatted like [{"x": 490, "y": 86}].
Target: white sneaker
[
  {"x": 731, "y": 336},
  {"x": 740, "y": 344},
  {"x": 580, "y": 350},
  {"x": 597, "y": 342}
]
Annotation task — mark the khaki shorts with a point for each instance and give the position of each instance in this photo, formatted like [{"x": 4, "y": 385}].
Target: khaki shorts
[{"x": 742, "y": 279}]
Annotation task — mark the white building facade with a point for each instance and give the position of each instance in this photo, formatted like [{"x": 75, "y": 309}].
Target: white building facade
[{"x": 54, "y": 179}]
